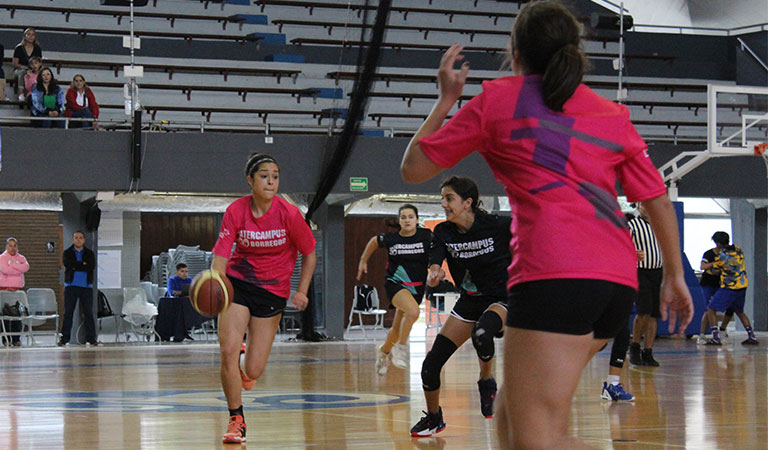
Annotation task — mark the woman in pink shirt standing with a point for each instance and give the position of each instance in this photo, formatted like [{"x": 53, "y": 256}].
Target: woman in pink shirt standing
[
  {"x": 558, "y": 149},
  {"x": 13, "y": 265},
  {"x": 267, "y": 233}
]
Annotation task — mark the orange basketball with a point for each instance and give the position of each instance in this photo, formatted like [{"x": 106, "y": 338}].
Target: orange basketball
[{"x": 211, "y": 293}]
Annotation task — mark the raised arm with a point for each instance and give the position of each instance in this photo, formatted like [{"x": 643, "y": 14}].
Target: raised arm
[
  {"x": 675, "y": 297},
  {"x": 362, "y": 266}
]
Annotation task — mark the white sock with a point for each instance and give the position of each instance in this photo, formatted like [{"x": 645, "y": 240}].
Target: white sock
[
  {"x": 613, "y": 379},
  {"x": 242, "y": 362}
]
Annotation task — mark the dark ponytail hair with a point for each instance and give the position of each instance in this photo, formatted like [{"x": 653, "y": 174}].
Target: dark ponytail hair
[
  {"x": 548, "y": 38},
  {"x": 255, "y": 160},
  {"x": 466, "y": 188}
]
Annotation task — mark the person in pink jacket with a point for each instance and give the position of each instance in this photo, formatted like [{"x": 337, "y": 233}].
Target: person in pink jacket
[{"x": 12, "y": 267}]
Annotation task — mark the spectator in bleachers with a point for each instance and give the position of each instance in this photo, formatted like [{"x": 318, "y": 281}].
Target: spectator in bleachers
[
  {"x": 30, "y": 77},
  {"x": 81, "y": 103},
  {"x": 48, "y": 99},
  {"x": 27, "y": 48}
]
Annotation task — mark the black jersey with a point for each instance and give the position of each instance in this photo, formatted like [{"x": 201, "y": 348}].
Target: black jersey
[
  {"x": 408, "y": 261},
  {"x": 477, "y": 259},
  {"x": 711, "y": 276}
]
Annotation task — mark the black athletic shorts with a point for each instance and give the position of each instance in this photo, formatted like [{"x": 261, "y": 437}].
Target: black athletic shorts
[
  {"x": 469, "y": 308},
  {"x": 393, "y": 288},
  {"x": 259, "y": 301},
  {"x": 571, "y": 306},
  {"x": 649, "y": 292}
]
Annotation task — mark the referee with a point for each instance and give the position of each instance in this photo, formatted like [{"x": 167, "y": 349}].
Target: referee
[{"x": 649, "y": 275}]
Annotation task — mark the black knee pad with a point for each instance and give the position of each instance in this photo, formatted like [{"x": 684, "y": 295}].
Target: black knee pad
[
  {"x": 483, "y": 333},
  {"x": 441, "y": 351}
]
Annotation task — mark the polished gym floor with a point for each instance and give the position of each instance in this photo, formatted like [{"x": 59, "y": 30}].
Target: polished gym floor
[{"x": 327, "y": 396}]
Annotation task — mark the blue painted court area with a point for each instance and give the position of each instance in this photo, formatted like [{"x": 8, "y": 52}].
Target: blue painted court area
[{"x": 176, "y": 401}]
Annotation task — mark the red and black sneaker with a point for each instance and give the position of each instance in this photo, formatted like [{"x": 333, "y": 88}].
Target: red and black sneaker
[
  {"x": 487, "y": 396},
  {"x": 235, "y": 430},
  {"x": 429, "y": 424}
]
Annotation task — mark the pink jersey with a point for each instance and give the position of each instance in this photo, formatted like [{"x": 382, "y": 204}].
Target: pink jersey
[
  {"x": 267, "y": 247},
  {"x": 560, "y": 172}
]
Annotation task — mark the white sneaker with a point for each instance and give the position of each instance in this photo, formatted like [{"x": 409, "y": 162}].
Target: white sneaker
[
  {"x": 702, "y": 340},
  {"x": 400, "y": 356},
  {"x": 382, "y": 361},
  {"x": 723, "y": 333},
  {"x": 22, "y": 97}
]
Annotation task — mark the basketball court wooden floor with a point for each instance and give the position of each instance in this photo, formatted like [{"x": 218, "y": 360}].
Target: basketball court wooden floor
[{"x": 327, "y": 396}]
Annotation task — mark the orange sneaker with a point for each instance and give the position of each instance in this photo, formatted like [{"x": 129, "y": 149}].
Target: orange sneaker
[
  {"x": 235, "y": 430},
  {"x": 247, "y": 382}
]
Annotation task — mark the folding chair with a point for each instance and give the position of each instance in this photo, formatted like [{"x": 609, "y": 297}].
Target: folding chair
[
  {"x": 139, "y": 313},
  {"x": 42, "y": 307},
  {"x": 366, "y": 303}
]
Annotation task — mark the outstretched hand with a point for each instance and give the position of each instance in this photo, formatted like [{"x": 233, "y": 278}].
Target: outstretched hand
[
  {"x": 450, "y": 81},
  {"x": 676, "y": 304}
]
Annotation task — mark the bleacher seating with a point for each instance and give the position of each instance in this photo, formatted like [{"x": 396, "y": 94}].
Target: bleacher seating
[{"x": 215, "y": 89}]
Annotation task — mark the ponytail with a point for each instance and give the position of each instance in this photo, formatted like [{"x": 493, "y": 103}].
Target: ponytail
[
  {"x": 548, "y": 38},
  {"x": 562, "y": 76}
]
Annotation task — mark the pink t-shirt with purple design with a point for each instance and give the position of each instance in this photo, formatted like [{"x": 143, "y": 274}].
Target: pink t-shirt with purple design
[
  {"x": 560, "y": 172},
  {"x": 266, "y": 247}
]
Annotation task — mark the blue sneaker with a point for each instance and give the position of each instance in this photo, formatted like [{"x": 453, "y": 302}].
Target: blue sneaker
[{"x": 616, "y": 393}]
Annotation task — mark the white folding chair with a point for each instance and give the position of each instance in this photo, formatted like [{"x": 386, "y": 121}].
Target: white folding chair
[
  {"x": 366, "y": 303},
  {"x": 139, "y": 313},
  {"x": 42, "y": 308},
  {"x": 11, "y": 298}
]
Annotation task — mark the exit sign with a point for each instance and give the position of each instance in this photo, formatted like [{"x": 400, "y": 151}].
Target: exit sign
[{"x": 359, "y": 184}]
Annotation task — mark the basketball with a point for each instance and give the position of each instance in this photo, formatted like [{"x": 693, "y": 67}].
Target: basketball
[{"x": 210, "y": 293}]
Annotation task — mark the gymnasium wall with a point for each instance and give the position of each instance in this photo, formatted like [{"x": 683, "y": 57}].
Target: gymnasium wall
[{"x": 72, "y": 160}]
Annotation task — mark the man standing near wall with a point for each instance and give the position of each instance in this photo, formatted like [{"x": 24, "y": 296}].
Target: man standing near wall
[
  {"x": 649, "y": 274},
  {"x": 79, "y": 263}
]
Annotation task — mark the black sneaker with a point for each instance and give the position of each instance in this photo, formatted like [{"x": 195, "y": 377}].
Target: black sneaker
[
  {"x": 429, "y": 424},
  {"x": 647, "y": 356},
  {"x": 62, "y": 343},
  {"x": 487, "y": 395},
  {"x": 634, "y": 354},
  {"x": 750, "y": 341}
]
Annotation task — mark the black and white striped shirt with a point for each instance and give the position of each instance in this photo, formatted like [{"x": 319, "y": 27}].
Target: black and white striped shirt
[{"x": 645, "y": 240}]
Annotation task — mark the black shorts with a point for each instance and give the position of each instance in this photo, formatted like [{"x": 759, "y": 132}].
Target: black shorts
[
  {"x": 571, "y": 306},
  {"x": 259, "y": 301},
  {"x": 393, "y": 288},
  {"x": 649, "y": 292},
  {"x": 469, "y": 308}
]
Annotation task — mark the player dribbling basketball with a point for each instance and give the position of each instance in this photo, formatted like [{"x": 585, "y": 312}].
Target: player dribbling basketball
[{"x": 269, "y": 233}]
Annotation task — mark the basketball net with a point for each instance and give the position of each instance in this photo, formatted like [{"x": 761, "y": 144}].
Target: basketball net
[{"x": 760, "y": 150}]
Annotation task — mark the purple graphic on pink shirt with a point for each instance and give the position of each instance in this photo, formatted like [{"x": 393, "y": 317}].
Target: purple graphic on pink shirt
[{"x": 553, "y": 145}]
